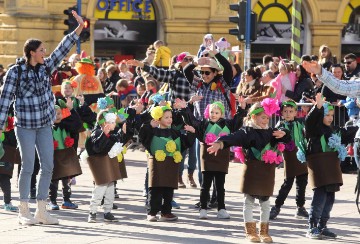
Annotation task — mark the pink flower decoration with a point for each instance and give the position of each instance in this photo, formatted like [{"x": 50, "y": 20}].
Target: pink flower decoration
[
  {"x": 207, "y": 112},
  {"x": 270, "y": 106},
  {"x": 210, "y": 138},
  {"x": 239, "y": 154},
  {"x": 281, "y": 147},
  {"x": 223, "y": 134},
  {"x": 279, "y": 159},
  {"x": 269, "y": 157}
]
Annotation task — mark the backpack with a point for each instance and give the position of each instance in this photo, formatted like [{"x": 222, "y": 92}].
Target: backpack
[{"x": 18, "y": 64}]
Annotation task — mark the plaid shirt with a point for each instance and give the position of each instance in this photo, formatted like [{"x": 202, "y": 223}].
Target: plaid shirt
[
  {"x": 179, "y": 85},
  {"x": 210, "y": 96},
  {"x": 350, "y": 88},
  {"x": 34, "y": 100}
]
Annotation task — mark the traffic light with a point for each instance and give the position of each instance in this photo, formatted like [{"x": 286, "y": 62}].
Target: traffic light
[
  {"x": 70, "y": 21},
  {"x": 85, "y": 33},
  {"x": 240, "y": 20}
]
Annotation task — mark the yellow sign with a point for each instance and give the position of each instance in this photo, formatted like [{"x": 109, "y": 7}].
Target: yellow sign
[{"x": 124, "y": 10}]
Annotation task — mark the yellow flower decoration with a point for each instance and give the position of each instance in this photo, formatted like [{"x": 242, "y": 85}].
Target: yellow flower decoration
[
  {"x": 213, "y": 86},
  {"x": 156, "y": 113},
  {"x": 160, "y": 155},
  {"x": 120, "y": 157},
  {"x": 177, "y": 157},
  {"x": 124, "y": 150},
  {"x": 170, "y": 146}
]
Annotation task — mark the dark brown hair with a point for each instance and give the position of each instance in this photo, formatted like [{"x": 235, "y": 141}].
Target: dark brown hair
[{"x": 30, "y": 45}]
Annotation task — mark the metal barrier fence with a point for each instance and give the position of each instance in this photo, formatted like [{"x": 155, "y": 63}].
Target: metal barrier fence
[{"x": 340, "y": 115}]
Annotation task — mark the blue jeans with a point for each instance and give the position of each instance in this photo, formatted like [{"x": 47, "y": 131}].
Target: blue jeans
[
  {"x": 321, "y": 205},
  {"x": 40, "y": 139},
  {"x": 191, "y": 161}
]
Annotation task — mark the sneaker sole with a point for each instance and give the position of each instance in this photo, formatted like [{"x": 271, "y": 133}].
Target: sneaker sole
[
  {"x": 109, "y": 220},
  {"x": 301, "y": 217},
  {"x": 168, "y": 219},
  {"x": 313, "y": 237},
  {"x": 203, "y": 217},
  {"x": 91, "y": 221},
  {"x": 64, "y": 207}
]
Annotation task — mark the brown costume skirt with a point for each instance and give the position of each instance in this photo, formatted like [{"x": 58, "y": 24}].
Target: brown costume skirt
[
  {"x": 324, "y": 169},
  {"x": 66, "y": 164},
  {"x": 122, "y": 167},
  {"x": 293, "y": 167},
  {"x": 210, "y": 162},
  {"x": 12, "y": 155},
  {"x": 163, "y": 174},
  {"x": 257, "y": 178},
  {"x": 104, "y": 169}
]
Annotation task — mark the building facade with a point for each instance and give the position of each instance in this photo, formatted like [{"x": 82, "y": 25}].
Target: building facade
[{"x": 124, "y": 28}]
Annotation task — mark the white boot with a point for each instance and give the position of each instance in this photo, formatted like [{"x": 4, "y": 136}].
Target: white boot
[
  {"x": 42, "y": 215},
  {"x": 25, "y": 217}
]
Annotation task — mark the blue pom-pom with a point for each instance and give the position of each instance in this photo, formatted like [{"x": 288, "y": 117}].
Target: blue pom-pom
[
  {"x": 157, "y": 98},
  {"x": 101, "y": 103},
  {"x": 342, "y": 153},
  {"x": 334, "y": 141},
  {"x": 301, "y": 156}
]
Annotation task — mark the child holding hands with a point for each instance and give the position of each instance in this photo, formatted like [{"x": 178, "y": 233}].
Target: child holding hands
[
  {"x": 165, "y": 146},
  {"x": 261, "y": 152},
  {"x": 213, "y": 167}
]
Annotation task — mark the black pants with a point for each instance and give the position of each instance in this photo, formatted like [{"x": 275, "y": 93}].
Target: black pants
[
  {"x": 66, "y": 189},
  {"x": 219, "y": 182},
  {"x": 160, "y": 200},
  {"x": 301, "y": 183},
  {"x": 6, "y": 187}
]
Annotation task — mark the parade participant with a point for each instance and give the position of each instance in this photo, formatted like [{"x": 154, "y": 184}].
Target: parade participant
[
  {"x": 261, "y": 148},
  {"x": 165, "y": 146},
  {"x": 343, "y": 87},
  {"x": 293, "y": 167},
  {"x": 216, "y": 167},
  {"x": 9, "y": 156},
  {"x": 102, "y": 149},
  {"x": 29, "y": 83},
  {"x": 325, "y": 148},
  {"x": 66, "y": 163}
]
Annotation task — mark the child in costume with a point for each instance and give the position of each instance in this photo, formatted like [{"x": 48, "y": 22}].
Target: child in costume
[
  {"x": 125, "y": 91},
  {"x": 213, "y": 167},
  {"x": 325, "y": 149},
  {"x": 102, "y": 149},
  {"x": 66, "y": 162},
  {"x": 9, "y": 155},
  {"x": 165, "y": 146},
  {"x": 261, "y": 148},
  {"x": 293, "y": 167}
]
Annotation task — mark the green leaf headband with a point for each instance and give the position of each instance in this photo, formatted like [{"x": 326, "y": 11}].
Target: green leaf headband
[
  {"x": 289, "y": 103},
  {"x": 221, "y": 106},
  {"x": 257, "y": 111}
]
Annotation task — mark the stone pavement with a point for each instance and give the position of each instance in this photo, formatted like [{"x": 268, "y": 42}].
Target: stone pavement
[{"x": 132, "y": 227}]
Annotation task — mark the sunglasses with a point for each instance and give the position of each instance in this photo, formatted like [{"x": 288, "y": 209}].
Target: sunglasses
[
  {"x": 205, "y": 72},
  {"x": 349, "y": 62},
  {"x": 188, "y": 59}
]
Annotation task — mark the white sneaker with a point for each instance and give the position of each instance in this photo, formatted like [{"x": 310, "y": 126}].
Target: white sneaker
[
  {"x": 152, "y": 218},
  {"x": 222, "y": 214},
  {"x": 203, "y": 214}
]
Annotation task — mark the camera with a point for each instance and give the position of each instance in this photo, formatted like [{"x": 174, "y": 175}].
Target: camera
[
  {"x": 309, "y": 94},
  {"x": 64, "y": 66}
]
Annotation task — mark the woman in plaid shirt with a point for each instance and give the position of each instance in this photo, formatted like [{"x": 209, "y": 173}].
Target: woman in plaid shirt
[{"x": 28, "y": 83}]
